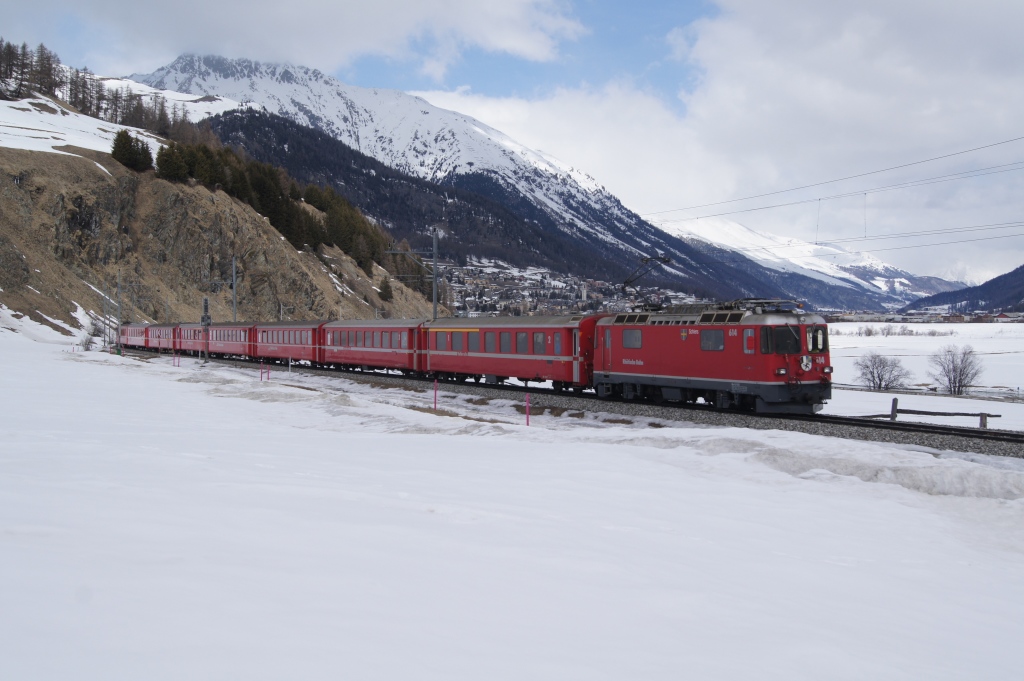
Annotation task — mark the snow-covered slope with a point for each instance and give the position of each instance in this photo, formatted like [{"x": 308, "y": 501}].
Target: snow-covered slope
[
  {"x": 826, "y": 262},
  {"x": 196, "y": 108},
  {"x": 398, "y": 129},
  {"x": 42, "y": 124}
]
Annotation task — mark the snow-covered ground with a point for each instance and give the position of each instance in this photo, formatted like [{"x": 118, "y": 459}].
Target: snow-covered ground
[
  {"x": 166, "y": 522},
  {"x": 1000, "y": 349},
  {"x": 41, "y": 124}
]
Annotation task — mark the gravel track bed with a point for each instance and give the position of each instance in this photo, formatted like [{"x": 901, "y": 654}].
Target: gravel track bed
[{"x": 643, "y": 410}]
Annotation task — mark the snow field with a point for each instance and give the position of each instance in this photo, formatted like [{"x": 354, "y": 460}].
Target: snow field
[
  {"x": 1000, "y": 349},
  {"x": 161, "y": 522}
]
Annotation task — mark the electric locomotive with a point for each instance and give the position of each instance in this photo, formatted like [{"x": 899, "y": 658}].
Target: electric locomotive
[{"x": 768, "y": 356}]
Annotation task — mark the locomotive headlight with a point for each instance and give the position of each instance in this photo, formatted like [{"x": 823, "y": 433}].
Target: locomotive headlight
[
  {"x": 826, "y": 370},
  {"x": 781, "y": 372}
]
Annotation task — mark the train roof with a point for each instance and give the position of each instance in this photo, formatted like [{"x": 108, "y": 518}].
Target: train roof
[
  {"x": 507, "y": 322},
  {"x": 376, "y": 323},
  {"x": 737, "y": 312},
  {"x": 289, "y": 325}
]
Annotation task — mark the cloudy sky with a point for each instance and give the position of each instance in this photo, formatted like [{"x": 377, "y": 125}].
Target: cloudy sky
[{"x": 677, "y": 107}]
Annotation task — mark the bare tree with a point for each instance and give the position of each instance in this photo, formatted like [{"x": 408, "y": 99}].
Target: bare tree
[
  {"x": 879, "y": 372},
  {"x": 956, "y": 368}
]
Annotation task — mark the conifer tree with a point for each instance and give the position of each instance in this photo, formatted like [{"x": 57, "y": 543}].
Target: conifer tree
[
  {"x": 131, "y": 151},
  {"x": 170, "y": 164},
  {"x": 386, "y": 294}
]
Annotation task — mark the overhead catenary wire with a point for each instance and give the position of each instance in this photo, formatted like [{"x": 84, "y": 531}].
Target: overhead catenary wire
[
  {"x": 965, "y": 175},
  {"x": 840, "y": 179}
]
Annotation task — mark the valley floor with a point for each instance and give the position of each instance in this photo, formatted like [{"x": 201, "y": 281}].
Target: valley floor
[{"x": 161, "y": 522}]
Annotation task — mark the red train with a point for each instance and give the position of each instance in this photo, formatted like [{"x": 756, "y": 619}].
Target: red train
[{"x": 758, "y": 355}]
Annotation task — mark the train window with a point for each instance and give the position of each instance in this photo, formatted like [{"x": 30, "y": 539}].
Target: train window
[
  {"x": 817, "y": 339},
  {"x": 351, "y": 338},
  {"x": 558, "y": 343},
  {"x": 367, "y": 339},
  {"x": 608, "y": 339},
  {"x": 359, "y": 339},
  {"x": 735, "y": 317},
  {"x": 385, "y": 339},
  {"x": 787, "y": 340},
  {"x": 506, "y": 342},
  {"x": 766, "y": 340},
  {"x": 396, "y": 339},
  {"x": 405, "y": 340},
  {"x": 376, "y": 339},
  {"x": 457, "y": 341},
  {"x": 440, "y": 340},
  {"x": 712, "y": 339},
  {"x": 474, "y": 341},
  {"x": 522, "y": 343},
  {"x": 748, "y": 341},
  {"x": 721, "y": 317},
  {"x": 539, "y": 346},
  {"x": 632, "y": 338},
  {"x": 489, "y": 345}
]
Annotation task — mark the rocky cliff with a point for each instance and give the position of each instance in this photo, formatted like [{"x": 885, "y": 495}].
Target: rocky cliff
[{"x": 72, "y": 225}]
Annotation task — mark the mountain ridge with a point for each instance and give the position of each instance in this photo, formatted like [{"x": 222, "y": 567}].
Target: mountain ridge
[{"x": 408, "y": 134}]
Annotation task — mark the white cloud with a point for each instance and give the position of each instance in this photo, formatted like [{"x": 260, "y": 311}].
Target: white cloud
[
  {"x": 327, "y": 35},
  {"x": 794, "y": 92}
]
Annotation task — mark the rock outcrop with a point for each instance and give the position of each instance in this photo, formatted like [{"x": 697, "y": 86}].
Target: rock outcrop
[{"x": 72, "y": 226}]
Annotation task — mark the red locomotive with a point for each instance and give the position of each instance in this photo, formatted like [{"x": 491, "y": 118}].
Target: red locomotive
[{"x": 757, "y": 355}]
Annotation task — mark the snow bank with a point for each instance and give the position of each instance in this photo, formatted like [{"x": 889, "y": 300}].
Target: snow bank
[
  {"x": 165, "y": 522},
  {"x": 938, "y": 476}
]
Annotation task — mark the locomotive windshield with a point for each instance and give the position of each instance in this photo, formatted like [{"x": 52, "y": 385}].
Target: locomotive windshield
[{"x": 786, "y": 340}]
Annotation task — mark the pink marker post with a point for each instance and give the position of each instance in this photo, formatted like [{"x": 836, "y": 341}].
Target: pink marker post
[{"x": 527, "y": 408}]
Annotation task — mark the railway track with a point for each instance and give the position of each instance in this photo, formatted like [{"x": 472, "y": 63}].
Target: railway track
[{"x": 997, "y": 442}]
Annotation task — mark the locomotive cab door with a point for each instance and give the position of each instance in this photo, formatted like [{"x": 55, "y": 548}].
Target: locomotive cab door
[
  {"x": 576, "y": 356},
  {"x": 748, "y": 359}
]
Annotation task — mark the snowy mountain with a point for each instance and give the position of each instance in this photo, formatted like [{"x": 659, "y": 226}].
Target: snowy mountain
[
  {"x": 1004, "y": 293},
  {"x": 829, "y": 263},
  {"x": 410, "y": 135}
]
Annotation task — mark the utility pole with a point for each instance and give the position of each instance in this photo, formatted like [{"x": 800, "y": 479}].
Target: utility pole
[
  {"x": 205, "y": 321},
  {"x": 434, "y": 269},
  {"x": 234, "y": 290},
  {"x": 119, "y": 309},
  {"x": 435, "y": 273}
]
